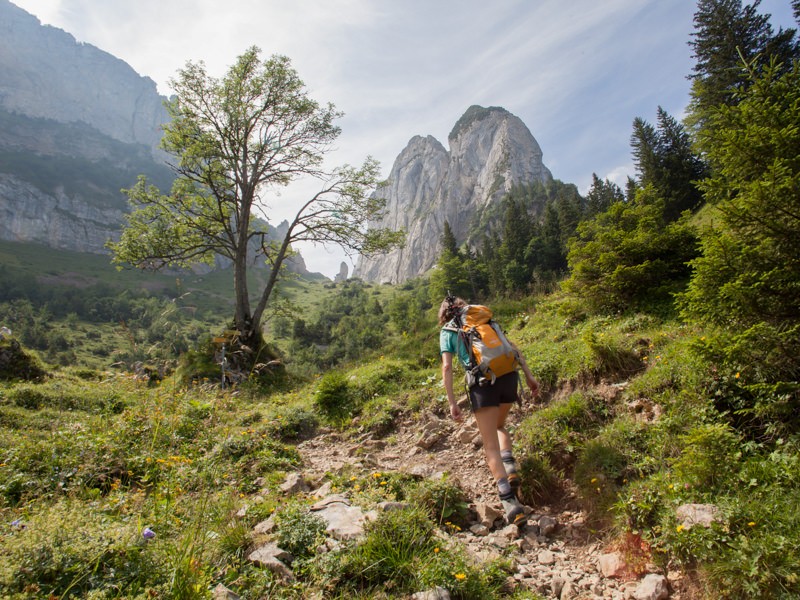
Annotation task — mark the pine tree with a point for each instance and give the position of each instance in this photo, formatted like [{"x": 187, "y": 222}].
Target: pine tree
[
  {"x": 727, "y": 36},
  {"x": 665, "y": 159}
]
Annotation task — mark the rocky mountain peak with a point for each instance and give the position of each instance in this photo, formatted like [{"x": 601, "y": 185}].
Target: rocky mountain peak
[
  {"x": 46, "y": 73},
  {"x": 491, "y": 150}
]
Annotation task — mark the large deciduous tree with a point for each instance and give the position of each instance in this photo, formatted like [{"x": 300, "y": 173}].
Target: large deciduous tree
[{"x": 235, "y": 139}]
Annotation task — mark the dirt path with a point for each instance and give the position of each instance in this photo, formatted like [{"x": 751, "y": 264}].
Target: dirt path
[{"x": 556, "y": 556}]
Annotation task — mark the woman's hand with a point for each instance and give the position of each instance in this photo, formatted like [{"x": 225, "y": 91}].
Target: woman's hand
[
  {"x": 456, "y": 412},
  {"x": 532, "y": 384}
]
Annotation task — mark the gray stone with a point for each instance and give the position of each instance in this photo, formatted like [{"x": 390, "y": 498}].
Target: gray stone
[
  {"x": 479, "y": 529},
  {"x": 611, "y": 564},
  {"x": 697, "y": 514},
  {"x": 437, "y": 593},
  {"x": 222, "y": 593},
  {"x": 652, "y": 587},
  {"x": 488, "y": 513},
  {"x": 344, "y": 522},
  {"x": 294, "y": 484},
  {"x": 266, "y": 526},
  {"x": 547, "y": 525},
  {"x": 546, "y": 557},
  {"x": 267, "y": 557},
  {"x": 268, "y": 551}
]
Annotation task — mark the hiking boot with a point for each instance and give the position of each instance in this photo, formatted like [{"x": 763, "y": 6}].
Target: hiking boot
[
  {"x": 515, "y": 514},
  {"x": 514, "y": 482}
]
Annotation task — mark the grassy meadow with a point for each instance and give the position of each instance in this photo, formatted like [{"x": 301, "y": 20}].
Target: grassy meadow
[{"x": 92, "y": 458}]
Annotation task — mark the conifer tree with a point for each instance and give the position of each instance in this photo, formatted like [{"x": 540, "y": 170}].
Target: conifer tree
[{"x": 727, "y": 36}]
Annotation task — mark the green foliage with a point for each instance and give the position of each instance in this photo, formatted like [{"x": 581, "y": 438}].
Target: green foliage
[
  {"x": 67, "y": 394},
  {"x": 726, "y": 34},
  {"x": 400, "y": 554},
  {"x": 234, "y": 138},
  {"x": 554, "y": 434},
  {"x": 71, "y": 550},
  {"x": 540, "y": 481},
  {"x": 612, "y": 356},
  {"x": 748, "y": 276},
  {"x": 607, "y": 463},
  {"x": 18, "y": 364},
  {"x": 666, "y": 161},
  {"x": 333, "y": 396},
  {"x": 630, "y": 256},
  {"x": 442, "y": 501},
  {"x": 298, "y": 531},
  {"x": 393, "y": 551}
]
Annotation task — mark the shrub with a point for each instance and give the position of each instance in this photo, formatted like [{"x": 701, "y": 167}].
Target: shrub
[
  {"x": 442, "y": 501},
  {"x": 540, "y": 483},
  {"x": 17, "y": 364},
  {"x": 65, "y": 394},
  {"x": 391, "y": 555},
  {"x": 709, "y": 451},
  {"x": 298, "y": 531},
  {"x": 333, "y": 396},
  {"x": 554, "y": 433},
  {"x": 293, "y": 424},
  {"x": 598, "y": 474}
]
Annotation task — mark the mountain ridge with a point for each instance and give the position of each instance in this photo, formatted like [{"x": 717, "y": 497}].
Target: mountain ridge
[{"x": 491, "y": 150}]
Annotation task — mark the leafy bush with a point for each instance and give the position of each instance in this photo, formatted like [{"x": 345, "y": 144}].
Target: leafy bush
[
  {"x": 708, "y": 451},
  {"x": 293, "y": 424},
  {"x": 17, "y": 364},
  {"x": 391, "y": 554},
  {"x": 554, "y": 433},
  {"x": 630, "y": 256},
  {"x": 64, "y": 394},
  {"x": 442, "y": 501},
  {"x": 540, "y": 483},
  {"x": 333, "y": 397},
  {"x": 298, "y": 531}
]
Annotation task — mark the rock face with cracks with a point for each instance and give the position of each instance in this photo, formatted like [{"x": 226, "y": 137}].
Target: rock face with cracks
[{"x": 491, "y": 150}]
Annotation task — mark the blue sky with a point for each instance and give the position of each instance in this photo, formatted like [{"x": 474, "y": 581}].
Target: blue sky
[{"x": 577, "y": 72}]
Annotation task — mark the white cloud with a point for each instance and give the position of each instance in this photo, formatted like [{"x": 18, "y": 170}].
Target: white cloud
[{"x": 577, "y": 73}]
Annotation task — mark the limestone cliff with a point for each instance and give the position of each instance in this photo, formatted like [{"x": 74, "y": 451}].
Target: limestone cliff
[
  {"x": 490, "y": 151},
  {"x": 45, "y": 72}
]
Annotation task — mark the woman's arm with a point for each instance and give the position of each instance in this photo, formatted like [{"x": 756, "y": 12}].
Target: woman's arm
[
  {"x": 447, "y": 379},
  {"x": 533, "y": 384}
]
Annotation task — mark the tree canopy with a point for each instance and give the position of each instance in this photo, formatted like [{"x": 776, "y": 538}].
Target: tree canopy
[{"x": 235, "y": 139}]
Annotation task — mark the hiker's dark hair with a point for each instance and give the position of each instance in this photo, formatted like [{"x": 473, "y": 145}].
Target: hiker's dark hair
[{"x": 449, "y": 307}]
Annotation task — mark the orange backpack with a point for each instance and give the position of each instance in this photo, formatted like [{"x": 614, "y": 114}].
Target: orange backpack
[{"x": 491, "y": 354}]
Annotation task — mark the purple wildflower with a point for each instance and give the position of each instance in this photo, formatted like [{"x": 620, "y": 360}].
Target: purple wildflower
[{"x": 148, "y": 533}]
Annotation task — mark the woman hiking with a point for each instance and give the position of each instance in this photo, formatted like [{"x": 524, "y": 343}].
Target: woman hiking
[{"x": 491, "y": 401}]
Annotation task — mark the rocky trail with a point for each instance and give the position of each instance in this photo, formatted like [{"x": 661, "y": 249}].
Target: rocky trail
[{"x": 555, "y": 554}]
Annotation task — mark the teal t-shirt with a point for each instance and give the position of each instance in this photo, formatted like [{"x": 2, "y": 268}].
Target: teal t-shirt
[{"x": 449, "y": 342}]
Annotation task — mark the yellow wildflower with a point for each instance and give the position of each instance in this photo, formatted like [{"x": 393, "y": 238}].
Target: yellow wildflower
[
  {"x": 751, "y": 524},
  {"x": 679, "y": 528},
  {"x": 460, "y": 576}
]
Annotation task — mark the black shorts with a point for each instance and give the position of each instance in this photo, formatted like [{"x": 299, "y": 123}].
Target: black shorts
[{"x": 504, "y": 391}]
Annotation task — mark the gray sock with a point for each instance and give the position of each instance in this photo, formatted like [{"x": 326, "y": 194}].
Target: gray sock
[
  {"x": 508, "y": 461},
  {"x": 504, "y": 488}
]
